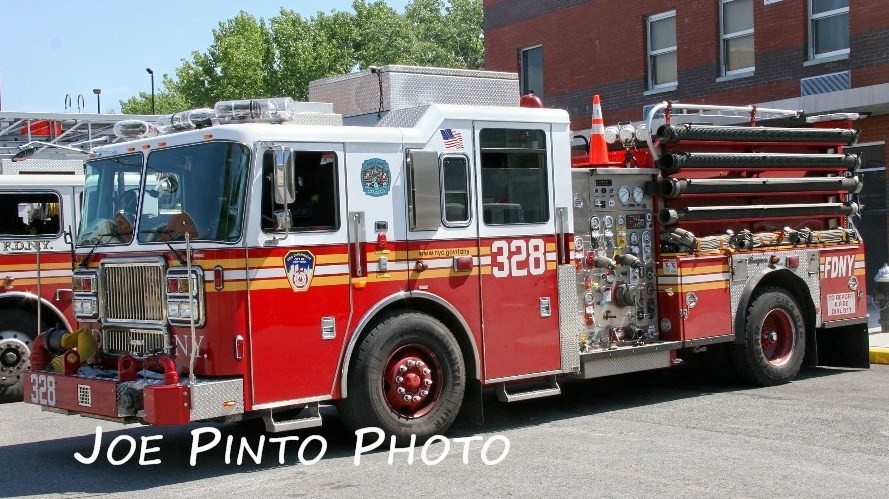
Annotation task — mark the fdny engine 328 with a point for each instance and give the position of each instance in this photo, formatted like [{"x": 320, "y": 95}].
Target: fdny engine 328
[{"x": 419, "y": 237}]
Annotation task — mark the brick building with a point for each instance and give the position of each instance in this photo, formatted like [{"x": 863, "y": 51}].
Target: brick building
[{"x": 815, "y": 55}]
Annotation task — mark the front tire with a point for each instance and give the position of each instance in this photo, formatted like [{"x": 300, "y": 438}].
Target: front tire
[
  {"x": 17, "y": 332},
  {"x": 407, "y": 378},
  {"x": 775, "y": 340}
]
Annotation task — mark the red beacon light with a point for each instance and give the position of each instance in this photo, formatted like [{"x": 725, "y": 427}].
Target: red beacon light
[{"x": 530, "y": 100}]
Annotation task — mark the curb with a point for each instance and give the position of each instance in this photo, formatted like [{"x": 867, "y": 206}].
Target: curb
[{"x": 879, "y": 355}]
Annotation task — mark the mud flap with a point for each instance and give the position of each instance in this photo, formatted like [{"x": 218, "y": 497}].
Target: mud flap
[{"x": 846, "y": 346}]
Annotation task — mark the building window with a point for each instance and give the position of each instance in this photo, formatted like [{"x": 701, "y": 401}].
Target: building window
[
  {"x": 737, "y": 36},
  {"x": 662, "y": 68},
  {"x": 532, "y": 70},
  {"x": 828, "y": 28}
]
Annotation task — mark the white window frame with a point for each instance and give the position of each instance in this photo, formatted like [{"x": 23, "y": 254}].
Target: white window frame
[
  {"x": 654, "y": 53},
  {"x": 730, "y": 36},
  {"x": 813, "y": 18},
  {"x": 523, "y": 70}
]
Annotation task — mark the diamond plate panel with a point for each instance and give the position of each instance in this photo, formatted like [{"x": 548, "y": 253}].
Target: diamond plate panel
[
  {"x": 599, "y": 367},
  {"x": 570, "y": 324},
  {"x": 217, "y": 398},
  {"x": 323, "y": 119},
  {"x": 34, "y": 165},
  {"x": 404, "y": 118},
  {"x": 757, "y": 265},
  {"x": 356, "y": 94}
]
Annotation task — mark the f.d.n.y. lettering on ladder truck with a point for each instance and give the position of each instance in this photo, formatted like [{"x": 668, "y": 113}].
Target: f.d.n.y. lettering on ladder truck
[{"x": 397, "y": 256}]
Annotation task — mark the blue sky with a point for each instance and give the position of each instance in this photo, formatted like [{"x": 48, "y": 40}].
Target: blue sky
[{"x": 56, "y": 48}]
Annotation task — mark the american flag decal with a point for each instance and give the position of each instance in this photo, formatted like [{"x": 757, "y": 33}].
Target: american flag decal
[{"x": 452, "y": 139}]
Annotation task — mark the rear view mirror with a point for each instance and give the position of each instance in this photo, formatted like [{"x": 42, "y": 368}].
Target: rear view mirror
[{"x": 285, "y": 186}]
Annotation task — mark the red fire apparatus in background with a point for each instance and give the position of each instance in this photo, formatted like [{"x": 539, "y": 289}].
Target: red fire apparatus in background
[
  {"x": 37, "y": 215},
  {"x": 441, "y": 241}
]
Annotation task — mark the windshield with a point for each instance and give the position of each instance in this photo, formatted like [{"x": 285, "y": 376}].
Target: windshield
[
  {"x": 110, "y": 197},
  {"x": 199, "y": 189}
]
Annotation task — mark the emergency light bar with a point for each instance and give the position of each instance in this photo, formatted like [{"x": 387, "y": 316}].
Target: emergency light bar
[
  {"x": 134, "y": 129},
  {"x": 186, "y": 120},
  {"x": 276, "y": 110}
]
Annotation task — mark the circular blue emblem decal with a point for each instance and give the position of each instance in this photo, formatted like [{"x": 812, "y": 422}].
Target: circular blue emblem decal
[{"x": 375, "y": 177}]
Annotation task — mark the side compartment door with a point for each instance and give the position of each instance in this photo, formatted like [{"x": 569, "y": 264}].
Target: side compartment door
[
  {"x": 517, "y": 244},
  {"x": 298, "y": 277}
]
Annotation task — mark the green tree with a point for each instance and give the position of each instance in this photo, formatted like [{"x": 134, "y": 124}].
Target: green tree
[
  {"x": 167, "y": 100},
  {"x": 309, "y": 49},
  {"x": 250, "y": 57},
  {"x": 239, "y": 63}
]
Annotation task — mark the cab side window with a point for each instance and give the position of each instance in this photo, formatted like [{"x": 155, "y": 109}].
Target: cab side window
[
  {"x": 316, "y": 205},
  {"x": 29, "y": 214},
  {"x": 514, "y": 174},
  {"x": 455, "y": 190}
]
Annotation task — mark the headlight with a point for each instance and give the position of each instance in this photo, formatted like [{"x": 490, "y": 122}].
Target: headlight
[
  {"x": 185, "y": 296},
  {"x": 85, "y": 308},
  {"x": 86, "y": 290},
  {"x": 611, "y": 134}
]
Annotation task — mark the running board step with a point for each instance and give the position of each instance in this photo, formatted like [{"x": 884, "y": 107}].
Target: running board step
[
  {"x": 309, "y": 417},
  {"x": 551, "y": 388}
]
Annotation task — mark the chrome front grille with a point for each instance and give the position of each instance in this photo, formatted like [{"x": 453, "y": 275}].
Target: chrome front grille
[
  {"x": 139, "y": 342},
  {"x": 133, "y": 291}
]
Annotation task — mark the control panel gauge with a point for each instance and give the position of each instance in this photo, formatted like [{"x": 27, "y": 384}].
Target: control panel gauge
[
  {"x": 623, "y": 194},
  {"x": 594, "y": 223},
  {"x": 634, "y": 238},
  {"x": 638, "y": 194},
  {"x": 646, "y": 238},
  {"x": 608, "y": 222}
]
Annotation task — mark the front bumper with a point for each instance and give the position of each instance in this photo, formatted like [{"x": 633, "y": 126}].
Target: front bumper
[{"x": 102, "y": 395}]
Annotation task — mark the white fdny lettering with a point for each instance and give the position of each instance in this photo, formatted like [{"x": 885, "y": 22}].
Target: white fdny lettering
[
  {"x": 25, "y": 245},
  {"x": 183, "y": 345},
  {"x": 839, "y": 266}
]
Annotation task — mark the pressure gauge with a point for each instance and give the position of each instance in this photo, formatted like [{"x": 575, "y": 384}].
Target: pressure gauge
[
  {"x": 594, "y": 223},
  {"x": 623, "y": 194},
  {"x": 638, "y": 194},
  {"x": 608, "y": 222},
  {"x": 634, "y": 238},
  {"x": 646, "y": 238}
]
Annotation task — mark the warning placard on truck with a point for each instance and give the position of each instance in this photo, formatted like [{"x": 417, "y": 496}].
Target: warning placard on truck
[{"x": 841, "y": 304}]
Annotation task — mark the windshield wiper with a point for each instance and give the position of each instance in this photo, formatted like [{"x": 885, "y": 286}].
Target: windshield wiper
[
  {"x": 99, "y": 240},
  {"x": 167, "y": 232}
]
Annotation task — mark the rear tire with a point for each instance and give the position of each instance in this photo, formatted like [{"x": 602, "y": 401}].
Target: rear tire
[
  {"x": 17, "y": 332},
  {"x": 407, "y": 355},
  {"x": 774, "y": 340}
]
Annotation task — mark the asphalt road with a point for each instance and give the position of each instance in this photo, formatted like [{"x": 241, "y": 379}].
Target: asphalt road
[{"x": 659, "y": 434}]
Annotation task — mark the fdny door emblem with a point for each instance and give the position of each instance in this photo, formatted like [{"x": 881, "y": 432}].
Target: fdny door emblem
[
  {"x": 375, "y": 177},
  {"x": 299, "y": 266}
]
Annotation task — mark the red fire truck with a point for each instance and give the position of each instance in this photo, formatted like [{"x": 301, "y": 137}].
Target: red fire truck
[
  {"x": 419, "y": 237},
  {"x": 37, "y": 216}
]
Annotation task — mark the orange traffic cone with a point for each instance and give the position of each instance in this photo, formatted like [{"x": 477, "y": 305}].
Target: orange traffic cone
[{"x": 598, "y": 148}]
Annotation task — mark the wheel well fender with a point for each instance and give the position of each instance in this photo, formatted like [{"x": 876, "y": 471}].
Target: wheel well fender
[
  {"x": 786, "y": 280},
  {"x": 50, "y": 314},
  {"x": 429, "y": 304}
]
